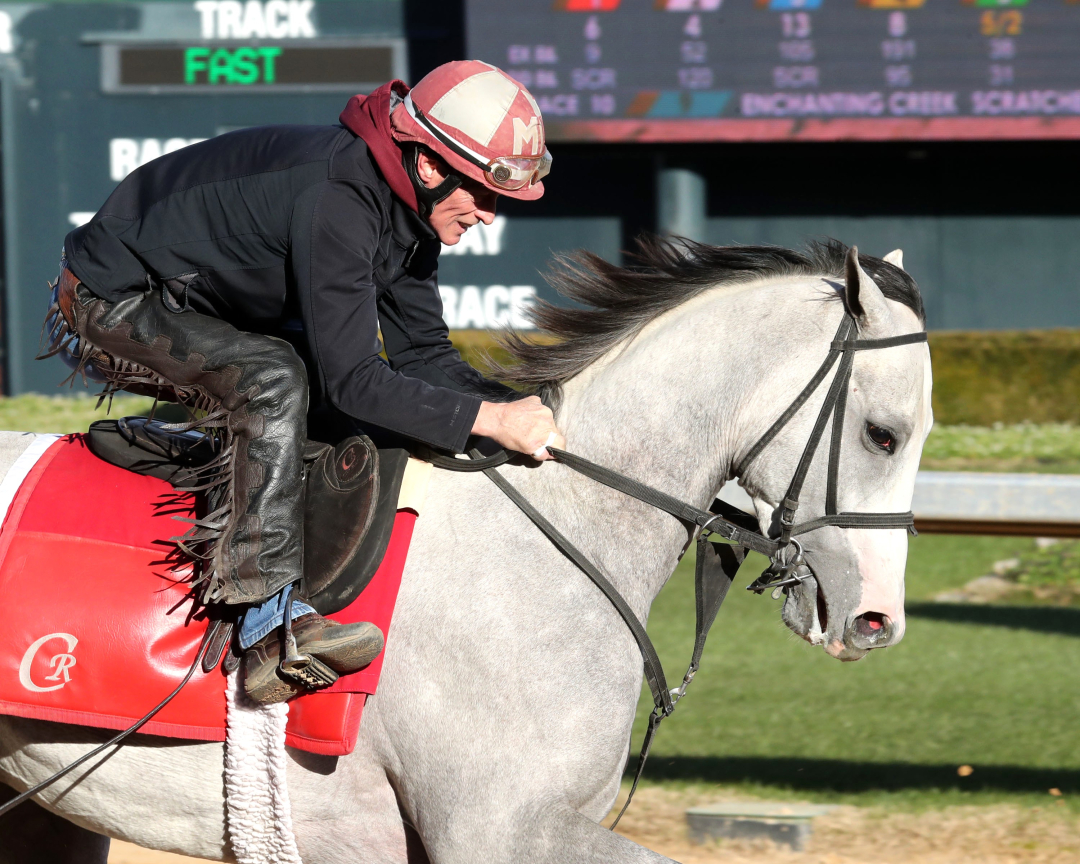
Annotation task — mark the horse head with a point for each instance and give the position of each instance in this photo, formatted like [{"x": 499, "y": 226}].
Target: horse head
[
  {"x": 853, "y": 601},
  {"x": 675, "y": 372}
]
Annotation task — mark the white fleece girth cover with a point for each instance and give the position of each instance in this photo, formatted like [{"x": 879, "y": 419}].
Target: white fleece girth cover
[{"x": 259, "y": 814}]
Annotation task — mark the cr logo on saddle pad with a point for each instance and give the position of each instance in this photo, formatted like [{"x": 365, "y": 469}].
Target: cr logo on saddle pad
[{"x": 60, "y": 663}]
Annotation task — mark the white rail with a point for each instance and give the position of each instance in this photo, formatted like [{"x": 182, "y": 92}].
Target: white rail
[{"x": 967, "y": 502}]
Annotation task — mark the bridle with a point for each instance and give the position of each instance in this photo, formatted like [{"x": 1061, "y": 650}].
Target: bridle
[
  {"x": 717, "y": 564},
  {"x": 843, "y": 348}
]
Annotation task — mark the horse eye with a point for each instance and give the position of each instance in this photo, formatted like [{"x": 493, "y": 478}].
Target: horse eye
[{"x": 881, "y": 436}]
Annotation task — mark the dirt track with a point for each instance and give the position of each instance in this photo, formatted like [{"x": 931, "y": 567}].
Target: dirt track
[{"x": 850, "y": 835}]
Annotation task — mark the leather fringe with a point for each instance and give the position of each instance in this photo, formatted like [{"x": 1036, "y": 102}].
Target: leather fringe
[{"x": 202, "y": 542}]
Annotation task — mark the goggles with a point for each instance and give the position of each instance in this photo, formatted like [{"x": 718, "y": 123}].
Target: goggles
[
  {"x": 516, "y": 172},
  {"x": 511, "y": 173}
]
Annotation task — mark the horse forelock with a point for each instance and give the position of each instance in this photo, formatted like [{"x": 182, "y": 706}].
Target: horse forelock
[{"x": 613, "y": 303}]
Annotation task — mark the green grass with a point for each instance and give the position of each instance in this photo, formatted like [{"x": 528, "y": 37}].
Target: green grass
[
  {"x": 36, "y": 413},
  {"x": 997, "y": 688},
  {"x": 1029, "y": 447}
]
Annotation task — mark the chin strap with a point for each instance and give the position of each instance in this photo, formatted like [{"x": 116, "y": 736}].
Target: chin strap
[{"x": 427, "y": 198}]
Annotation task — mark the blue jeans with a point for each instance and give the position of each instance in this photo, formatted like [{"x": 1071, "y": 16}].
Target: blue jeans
[{"x": 260, "y": 620}]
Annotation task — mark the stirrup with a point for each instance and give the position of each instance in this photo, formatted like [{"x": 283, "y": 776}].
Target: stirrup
[{"x": 303, "y": 669}]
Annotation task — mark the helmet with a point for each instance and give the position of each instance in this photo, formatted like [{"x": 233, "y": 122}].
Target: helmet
[{"x": 482, "y": 122}]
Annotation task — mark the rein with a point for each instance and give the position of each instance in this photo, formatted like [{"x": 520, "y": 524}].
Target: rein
[{"x": 717, "y": 564}]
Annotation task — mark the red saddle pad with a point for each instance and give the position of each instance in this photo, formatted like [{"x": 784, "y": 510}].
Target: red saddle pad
[{"x": 98, "y": 621}]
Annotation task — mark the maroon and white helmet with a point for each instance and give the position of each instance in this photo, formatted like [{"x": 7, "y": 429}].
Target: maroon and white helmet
[{"x": 485, "y": 124}]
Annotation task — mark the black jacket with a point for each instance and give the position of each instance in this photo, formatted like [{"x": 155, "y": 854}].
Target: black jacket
[{"x": 293, "y": 228}]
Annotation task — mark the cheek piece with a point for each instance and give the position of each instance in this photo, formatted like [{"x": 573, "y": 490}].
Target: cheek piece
[{"x": 427, "y": 198}]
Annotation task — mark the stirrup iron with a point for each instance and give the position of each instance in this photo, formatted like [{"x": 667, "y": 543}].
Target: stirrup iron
[{"x": 305, "y": 670}]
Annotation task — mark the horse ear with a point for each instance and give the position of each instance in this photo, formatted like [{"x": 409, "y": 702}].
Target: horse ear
[
  {"x": 896, "y": 258},
  {"x": 862, "y": 297}
]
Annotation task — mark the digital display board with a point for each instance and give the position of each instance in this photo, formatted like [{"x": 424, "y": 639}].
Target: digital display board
[
  {"x": 239, "y": 67},
  {"x": 768, "y": 70}
]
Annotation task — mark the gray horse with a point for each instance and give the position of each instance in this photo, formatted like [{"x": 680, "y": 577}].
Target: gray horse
[{"x": 500, "y": 729}]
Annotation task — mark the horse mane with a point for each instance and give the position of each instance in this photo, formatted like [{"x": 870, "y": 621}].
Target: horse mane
[{"x": 613, "y": 303}]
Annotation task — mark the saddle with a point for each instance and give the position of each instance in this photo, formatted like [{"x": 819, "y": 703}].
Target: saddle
[{"x": 343, "y": 545}]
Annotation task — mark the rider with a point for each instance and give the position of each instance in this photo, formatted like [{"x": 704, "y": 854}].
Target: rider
[{"x": 201, "y": 264}]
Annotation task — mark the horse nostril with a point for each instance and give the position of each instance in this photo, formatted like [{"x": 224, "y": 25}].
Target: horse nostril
[{"x": 870, "y": 630}]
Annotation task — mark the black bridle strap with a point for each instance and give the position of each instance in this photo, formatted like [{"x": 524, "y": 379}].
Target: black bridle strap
[
  {"x": 715, "y": 570},
  {"x": 654, "y": 671},
  {"x": 835, "y": 404},
  {"x": 790, "y": 504},
  {"x": 835, "y": 440},
  {"x": 859, "y": 520},
  {"x": 793, "y": 408},
  {"x": 714, "y": 523},
  {"x": 872, "y": 344},
  {"x": 467, "y": 466}
]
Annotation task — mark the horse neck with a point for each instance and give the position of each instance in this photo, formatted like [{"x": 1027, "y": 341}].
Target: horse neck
[{"x": 668, "y": 409}]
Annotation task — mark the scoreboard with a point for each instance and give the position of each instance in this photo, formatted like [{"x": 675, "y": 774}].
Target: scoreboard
[{"x": 768, "y": 70}]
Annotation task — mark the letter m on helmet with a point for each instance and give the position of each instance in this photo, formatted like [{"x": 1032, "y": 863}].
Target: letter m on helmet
[{"x": 526, "y": 134}]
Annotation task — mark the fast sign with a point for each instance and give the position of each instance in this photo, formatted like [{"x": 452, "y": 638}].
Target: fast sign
[{"x": 225, "y": 67}]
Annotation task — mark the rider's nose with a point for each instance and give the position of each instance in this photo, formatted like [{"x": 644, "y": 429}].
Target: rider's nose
[{"x": 869, "y": 630}]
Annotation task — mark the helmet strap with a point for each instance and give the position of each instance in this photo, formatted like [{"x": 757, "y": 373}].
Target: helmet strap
[{"x": 427, "y": 198}]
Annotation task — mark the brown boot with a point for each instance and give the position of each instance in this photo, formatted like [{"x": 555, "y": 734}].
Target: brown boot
[{"x": 345, "y": 648}]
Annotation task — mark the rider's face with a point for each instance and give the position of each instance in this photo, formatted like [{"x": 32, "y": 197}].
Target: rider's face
[{"x": 470, "y": 203}]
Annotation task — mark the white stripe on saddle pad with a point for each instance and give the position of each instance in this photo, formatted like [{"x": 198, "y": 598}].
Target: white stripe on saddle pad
[{"x": 19, "y": 453}]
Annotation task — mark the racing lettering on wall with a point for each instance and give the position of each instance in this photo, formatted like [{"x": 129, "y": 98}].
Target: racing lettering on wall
[
  {"x": 274, "y": 19},
  {"x": 475, "y": 307},
  {"x": 495, "y": 274},
  {"x": 127, "y": 154},
  {"x": 492, "y": 307}
]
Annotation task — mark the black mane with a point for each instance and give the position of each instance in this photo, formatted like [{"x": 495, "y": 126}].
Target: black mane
[{"x": 614, "y": 302}]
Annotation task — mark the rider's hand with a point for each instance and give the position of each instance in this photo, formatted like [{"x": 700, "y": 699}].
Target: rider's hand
[{"x": 526, "y": 425}]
